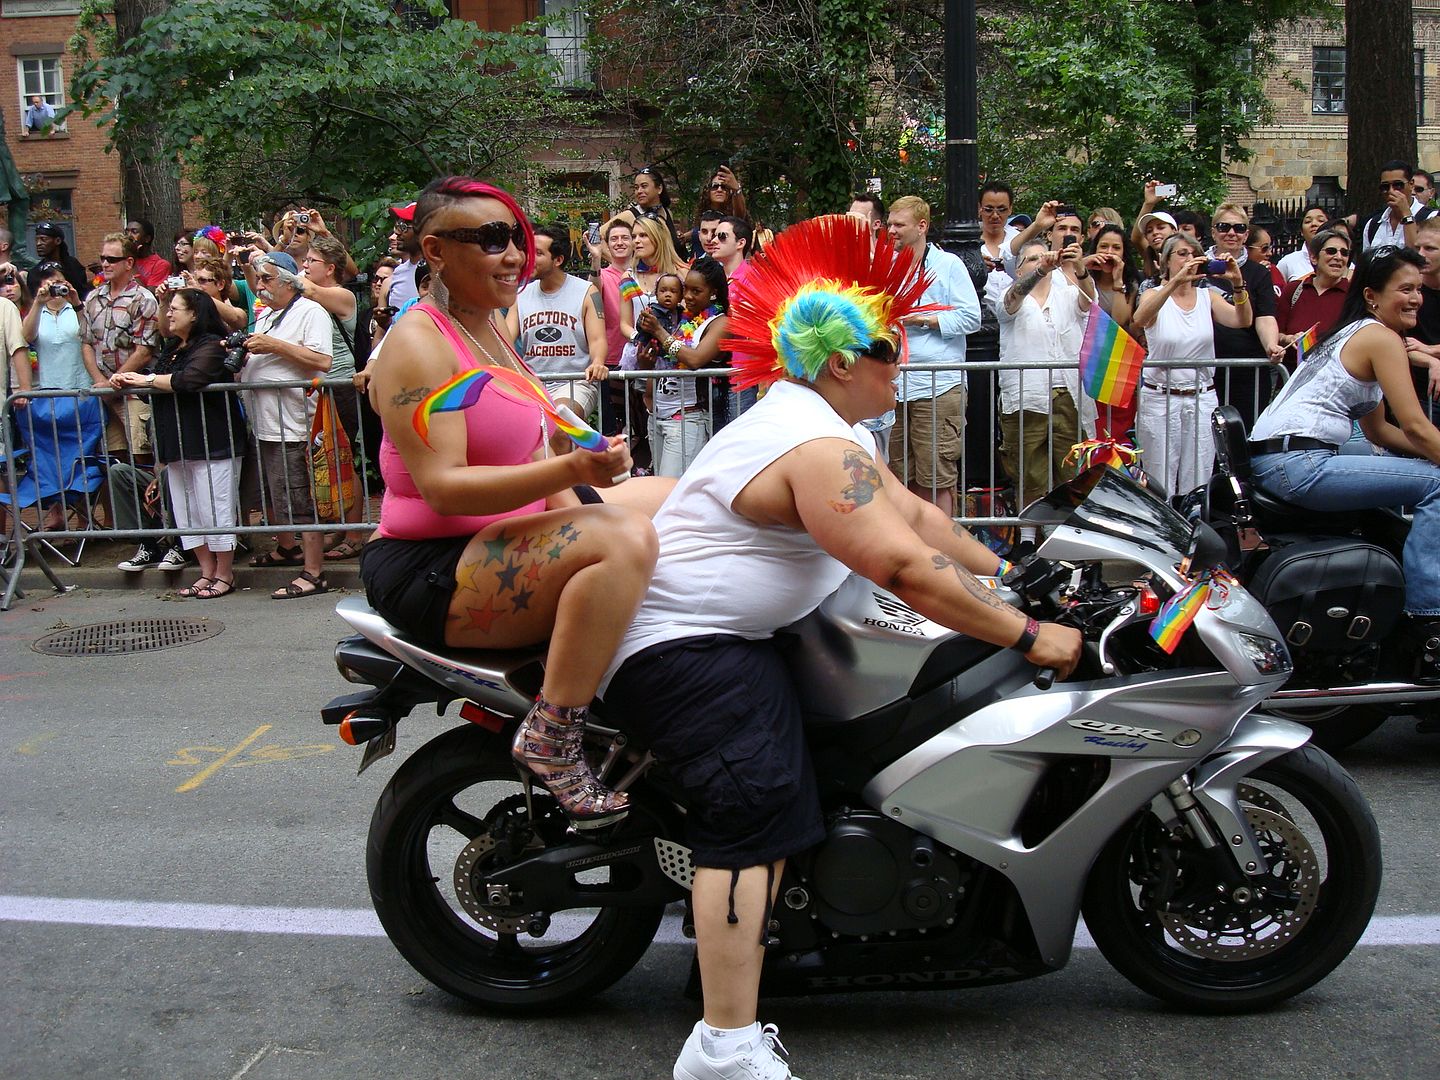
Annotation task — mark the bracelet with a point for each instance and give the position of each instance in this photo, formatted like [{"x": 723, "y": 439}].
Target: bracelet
[
  {"x": 672, "y": 350},
  {"x": 1004, "y": 568},
  {"x": 1027, "y": 637},
  {"x": 1242, "y": 297}
]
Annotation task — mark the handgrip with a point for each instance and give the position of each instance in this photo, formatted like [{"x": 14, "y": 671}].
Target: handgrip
[{"x": 1045, "y": 678}]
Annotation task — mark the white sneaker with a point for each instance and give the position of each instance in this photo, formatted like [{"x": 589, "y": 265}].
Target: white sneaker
[
  {"x": 174, "y": 559},
  {"x": 760, "y": 1062}
]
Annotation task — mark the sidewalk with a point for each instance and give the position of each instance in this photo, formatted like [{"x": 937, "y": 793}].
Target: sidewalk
[{"x": 97, "y": 570}]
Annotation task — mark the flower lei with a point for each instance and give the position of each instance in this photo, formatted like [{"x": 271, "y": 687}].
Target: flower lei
[{"x": 689, "y": 329}]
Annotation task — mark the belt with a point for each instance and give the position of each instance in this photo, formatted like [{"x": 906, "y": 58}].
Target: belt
[
  {"x": 1286, "y": 443},
  {"x": 1179, "y": 391}
]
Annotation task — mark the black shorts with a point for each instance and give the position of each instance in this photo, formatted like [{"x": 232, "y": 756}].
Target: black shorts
[
  {"x": 722, "y": 716},
  {"x": 411, "y": 582}
]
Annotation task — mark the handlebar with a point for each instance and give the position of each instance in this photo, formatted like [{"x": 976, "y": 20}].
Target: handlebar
[{"x": 1045, "y": 678}]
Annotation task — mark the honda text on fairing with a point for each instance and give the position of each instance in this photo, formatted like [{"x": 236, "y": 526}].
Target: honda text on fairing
[
  {"x": 1333, "y": 583},
  {"x": 974, "y": 810}
]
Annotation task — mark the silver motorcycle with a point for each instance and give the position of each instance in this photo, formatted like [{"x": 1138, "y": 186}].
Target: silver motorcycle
[{"x": 974, "y": 809}]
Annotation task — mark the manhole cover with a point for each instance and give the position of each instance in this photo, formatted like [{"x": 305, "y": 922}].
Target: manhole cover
[{"x": 127, "y": 636}]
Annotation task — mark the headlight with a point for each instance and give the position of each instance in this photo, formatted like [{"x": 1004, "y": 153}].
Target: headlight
[{"x": 1268, "y": 655}]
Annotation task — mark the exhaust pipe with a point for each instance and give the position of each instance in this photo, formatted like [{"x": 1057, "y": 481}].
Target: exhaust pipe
[{"x": 1377, "y": 693}]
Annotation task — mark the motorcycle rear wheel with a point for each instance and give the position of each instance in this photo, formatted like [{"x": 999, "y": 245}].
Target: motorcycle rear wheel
[
  {"x": 1324, "y": 845},
  {"x": 455, "y": 793}
]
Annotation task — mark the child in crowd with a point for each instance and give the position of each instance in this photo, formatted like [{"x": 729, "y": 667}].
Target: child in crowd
[{"x": 669, "y": 290}]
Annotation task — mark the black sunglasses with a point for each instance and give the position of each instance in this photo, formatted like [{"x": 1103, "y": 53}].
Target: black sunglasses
[
  {"x": 1343, "y": 252},
  {"x": 492, "y": 238},
  {"x": 1231, "y": 226},
  {"x": 113, "y": 258},
  {"x": 1396, "y": 185}
]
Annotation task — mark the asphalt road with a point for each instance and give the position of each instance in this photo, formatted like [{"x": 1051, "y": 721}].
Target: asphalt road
[{"x": 141, "y": 791}]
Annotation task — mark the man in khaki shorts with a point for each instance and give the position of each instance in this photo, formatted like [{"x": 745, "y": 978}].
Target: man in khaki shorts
[
  {"x": 931, "y": 424},
  {"x": 120, "y": 332}
]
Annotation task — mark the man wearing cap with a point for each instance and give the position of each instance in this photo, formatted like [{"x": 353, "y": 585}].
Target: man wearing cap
[
  {"x": 405, "y": 245},
  {"x": 150, "y": 268},
  {"x": 50, "y": 247},
  {"x": 292, "y": 341}
]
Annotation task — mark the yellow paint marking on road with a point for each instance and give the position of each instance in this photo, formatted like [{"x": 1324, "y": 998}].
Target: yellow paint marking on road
[
  {"x": 220, "y": 762},
  {"x": 29, "y": 746}
]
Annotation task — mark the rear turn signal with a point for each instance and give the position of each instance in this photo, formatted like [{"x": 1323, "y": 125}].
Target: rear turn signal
[{"x": 356, "y": 730}]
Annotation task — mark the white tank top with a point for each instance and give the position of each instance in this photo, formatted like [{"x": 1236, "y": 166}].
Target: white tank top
[
  {"x": 720, "y": 573},
  {"x": 1322, "y": 399},
  {"x": 1182, "y": 335},
  {"x": 552, "y": 327}
]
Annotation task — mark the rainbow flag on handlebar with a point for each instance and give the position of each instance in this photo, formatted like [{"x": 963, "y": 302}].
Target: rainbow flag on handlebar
[{"x": 1177, "y": 613}]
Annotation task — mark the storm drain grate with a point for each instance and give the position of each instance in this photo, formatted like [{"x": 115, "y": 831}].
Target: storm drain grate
[{"x": 128, "y": 636}]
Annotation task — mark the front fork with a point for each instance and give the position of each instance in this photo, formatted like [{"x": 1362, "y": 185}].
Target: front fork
[{"x": 1217, "y": 822}]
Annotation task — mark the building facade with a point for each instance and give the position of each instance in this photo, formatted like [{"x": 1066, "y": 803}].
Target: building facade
[{"x": 71, "y": 180}]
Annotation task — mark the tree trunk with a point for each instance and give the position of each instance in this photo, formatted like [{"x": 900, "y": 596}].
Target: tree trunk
[
  {"x": 1380, "y": 77},
  {"x": 151, "y": 189}
]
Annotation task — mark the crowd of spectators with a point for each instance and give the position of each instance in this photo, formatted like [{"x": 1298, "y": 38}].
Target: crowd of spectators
[{"x": 641, "y": 291}]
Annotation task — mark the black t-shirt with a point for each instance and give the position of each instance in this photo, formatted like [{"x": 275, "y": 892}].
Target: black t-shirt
[
  {"x": 1427, "y": 329},
  {"x": 1245, "y": 343}
]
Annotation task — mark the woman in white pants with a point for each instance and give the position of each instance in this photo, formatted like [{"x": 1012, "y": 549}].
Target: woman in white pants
[
  {"x": 199, "y": 439},
  {"x": 1179, "y": 317}
]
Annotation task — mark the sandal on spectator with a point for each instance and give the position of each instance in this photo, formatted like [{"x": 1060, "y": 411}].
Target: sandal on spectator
[
  {"x": 281, "y": 556},
  {"x": 346, "y": 549},
  {"x": 318, "y": 585},
  {"x": 200, "y": 584},
  {"x": 217, "y": 588}
]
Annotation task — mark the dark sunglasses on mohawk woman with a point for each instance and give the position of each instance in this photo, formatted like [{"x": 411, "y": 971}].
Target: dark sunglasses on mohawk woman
[{"x": 492, "y": 238}]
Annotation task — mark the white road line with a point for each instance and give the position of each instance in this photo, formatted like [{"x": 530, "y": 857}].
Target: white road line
[{"x": 1404, "y": 930}]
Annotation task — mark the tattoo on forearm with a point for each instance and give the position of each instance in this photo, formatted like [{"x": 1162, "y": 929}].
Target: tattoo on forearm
[
  {"x": 864, "y": 482},
  {"x": 410, "y": 396},
  {"x": 1025, "y": 286},
  {"x": 973, "y": 587}
]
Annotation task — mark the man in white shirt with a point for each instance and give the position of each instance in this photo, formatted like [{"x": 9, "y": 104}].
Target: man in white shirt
[
  {"x": 1394, "y": 225},
  {"x": 292, "y": 341}
]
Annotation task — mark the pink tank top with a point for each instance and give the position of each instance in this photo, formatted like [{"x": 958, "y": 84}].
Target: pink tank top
[{"x": 500, "y": 431}]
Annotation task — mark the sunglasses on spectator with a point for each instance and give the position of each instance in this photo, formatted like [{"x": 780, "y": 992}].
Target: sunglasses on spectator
[
  {"x": 404, "y": 226},
  {"x": 492, "y": 238},
  {"x": 1342, "y": 252},
  {"x": 1394, "y": 185},
  {"x": 723, "y": 237},
  {"x": 1099, "y": 223},
  {"x": 204, "y": 280},
  {"x": 718, "y": 186},
  {"x": 1231, "y": 226},
  {"x": 107, "y": 259}
]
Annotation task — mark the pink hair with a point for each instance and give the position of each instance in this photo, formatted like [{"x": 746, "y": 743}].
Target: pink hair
[{"x": 462, "y": 187}]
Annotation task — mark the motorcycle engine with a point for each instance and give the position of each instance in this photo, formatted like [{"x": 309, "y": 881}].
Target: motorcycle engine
[{"x": 872, "y": 875}]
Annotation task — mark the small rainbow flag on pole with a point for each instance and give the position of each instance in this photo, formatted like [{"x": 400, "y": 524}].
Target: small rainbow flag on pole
[
  {"x": 630, "y": 289},
  {"x": 1110, "y": 360},
  {"x": 1306, "y": 343},
  {"x": 1177, "y": 613}
]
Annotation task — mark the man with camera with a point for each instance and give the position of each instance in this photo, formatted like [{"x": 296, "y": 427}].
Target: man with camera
[{"x": 292, "y": 342}]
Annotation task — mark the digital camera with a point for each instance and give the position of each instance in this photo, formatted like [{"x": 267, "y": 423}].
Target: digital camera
[
  {"x": 235, "y": 352},
  {"x": 58, "y": 288},
  {"x": 303, "y": 217}
]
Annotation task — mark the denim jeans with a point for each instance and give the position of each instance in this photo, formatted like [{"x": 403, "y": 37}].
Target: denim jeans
[{"x": 1321, "y": 480}]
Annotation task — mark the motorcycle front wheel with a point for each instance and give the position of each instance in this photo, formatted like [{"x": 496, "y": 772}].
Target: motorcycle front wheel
[
  {"x": 453, "y": 808},
  {"x": 1159, "y": 915}
]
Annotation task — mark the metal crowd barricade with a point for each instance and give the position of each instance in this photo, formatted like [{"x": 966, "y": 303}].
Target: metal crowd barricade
[{"x": 121, "y": 499}]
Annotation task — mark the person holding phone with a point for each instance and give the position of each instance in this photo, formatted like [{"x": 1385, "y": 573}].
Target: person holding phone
[
  {"x": 1246, "y": 388},
  {"x": 1180, "y": 319}
]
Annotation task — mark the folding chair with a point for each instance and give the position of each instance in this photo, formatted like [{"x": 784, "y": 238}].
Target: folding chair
[{"x": 64, "y": 437}]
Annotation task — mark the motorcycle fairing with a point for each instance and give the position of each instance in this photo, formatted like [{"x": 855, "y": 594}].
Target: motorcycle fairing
[{"x": 968, "y": 786}]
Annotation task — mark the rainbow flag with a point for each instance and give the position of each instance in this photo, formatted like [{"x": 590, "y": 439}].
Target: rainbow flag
[
  {"x": 1306, "y": 343},
  {"x": 1177, "y": 613},
  {"x": 464, "y": 389},
  {"x": 1110, "y": 360},
  {"x": 630, "y": 289}
]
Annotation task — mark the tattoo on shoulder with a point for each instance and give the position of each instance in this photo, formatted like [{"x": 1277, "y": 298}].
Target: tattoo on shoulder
[
  {"x": 864, "y": 482},
  {"x": 972, "y": 586},
  {"x": 410, "y": 396},
  {"x": 597, "y": 303}
]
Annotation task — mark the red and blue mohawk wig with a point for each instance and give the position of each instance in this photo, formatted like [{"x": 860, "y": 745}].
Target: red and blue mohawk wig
[{"x": 819, "y": 288}]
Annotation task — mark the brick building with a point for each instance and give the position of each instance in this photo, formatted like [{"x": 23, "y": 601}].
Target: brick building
[
  {"x": 1303, "y": 152},
  {"x": 71, "y": 180}
]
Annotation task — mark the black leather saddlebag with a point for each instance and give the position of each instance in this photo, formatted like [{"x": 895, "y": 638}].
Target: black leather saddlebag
[{"x": 1333, "y": 595}]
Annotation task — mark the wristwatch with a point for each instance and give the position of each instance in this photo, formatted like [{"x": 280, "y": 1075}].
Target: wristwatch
[
  {"x": 1027, "y": 637},
  {"x": 1408, "y": 219}
]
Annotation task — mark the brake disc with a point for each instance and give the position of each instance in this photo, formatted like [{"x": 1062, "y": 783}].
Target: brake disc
[
  {"x": 1226, "y": 930},
  {"x": 1253, "y": 796},
  {"x": 504, "y": 815}
]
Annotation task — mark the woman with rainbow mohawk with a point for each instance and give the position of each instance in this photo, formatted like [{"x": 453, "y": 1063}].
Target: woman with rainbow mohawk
[{"x": 771, "y": 517}]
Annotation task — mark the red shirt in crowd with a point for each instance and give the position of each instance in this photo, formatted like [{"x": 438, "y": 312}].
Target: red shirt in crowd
[
  {"x": 151, "y": 270},
  {"x": 1302, "y": 306}
]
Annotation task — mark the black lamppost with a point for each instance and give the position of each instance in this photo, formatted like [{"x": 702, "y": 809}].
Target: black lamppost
[{"x": 961, "y": 231}]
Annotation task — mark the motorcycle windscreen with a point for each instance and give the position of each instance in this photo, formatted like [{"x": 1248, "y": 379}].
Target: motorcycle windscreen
[{"x": 1106, "y": 500}]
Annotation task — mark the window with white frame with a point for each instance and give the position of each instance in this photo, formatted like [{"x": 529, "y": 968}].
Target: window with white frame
[
  {"x": 565, "y": 36},
  {"x": 40, "y": 76}
]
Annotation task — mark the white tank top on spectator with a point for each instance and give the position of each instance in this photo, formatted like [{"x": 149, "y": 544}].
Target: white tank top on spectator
[
  {"x": 552, "y": 327},
  {"x": 674, "y": 395},
  {"x": 720, "y": 573},
  {"x": 1322, "y": 399},
  {"x": 1182, "y": 335}
]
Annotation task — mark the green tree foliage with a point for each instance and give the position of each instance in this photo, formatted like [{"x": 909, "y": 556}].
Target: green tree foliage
[
  {"x": 1079, "y": 99},
  {"x": 341, "y": 104}
]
